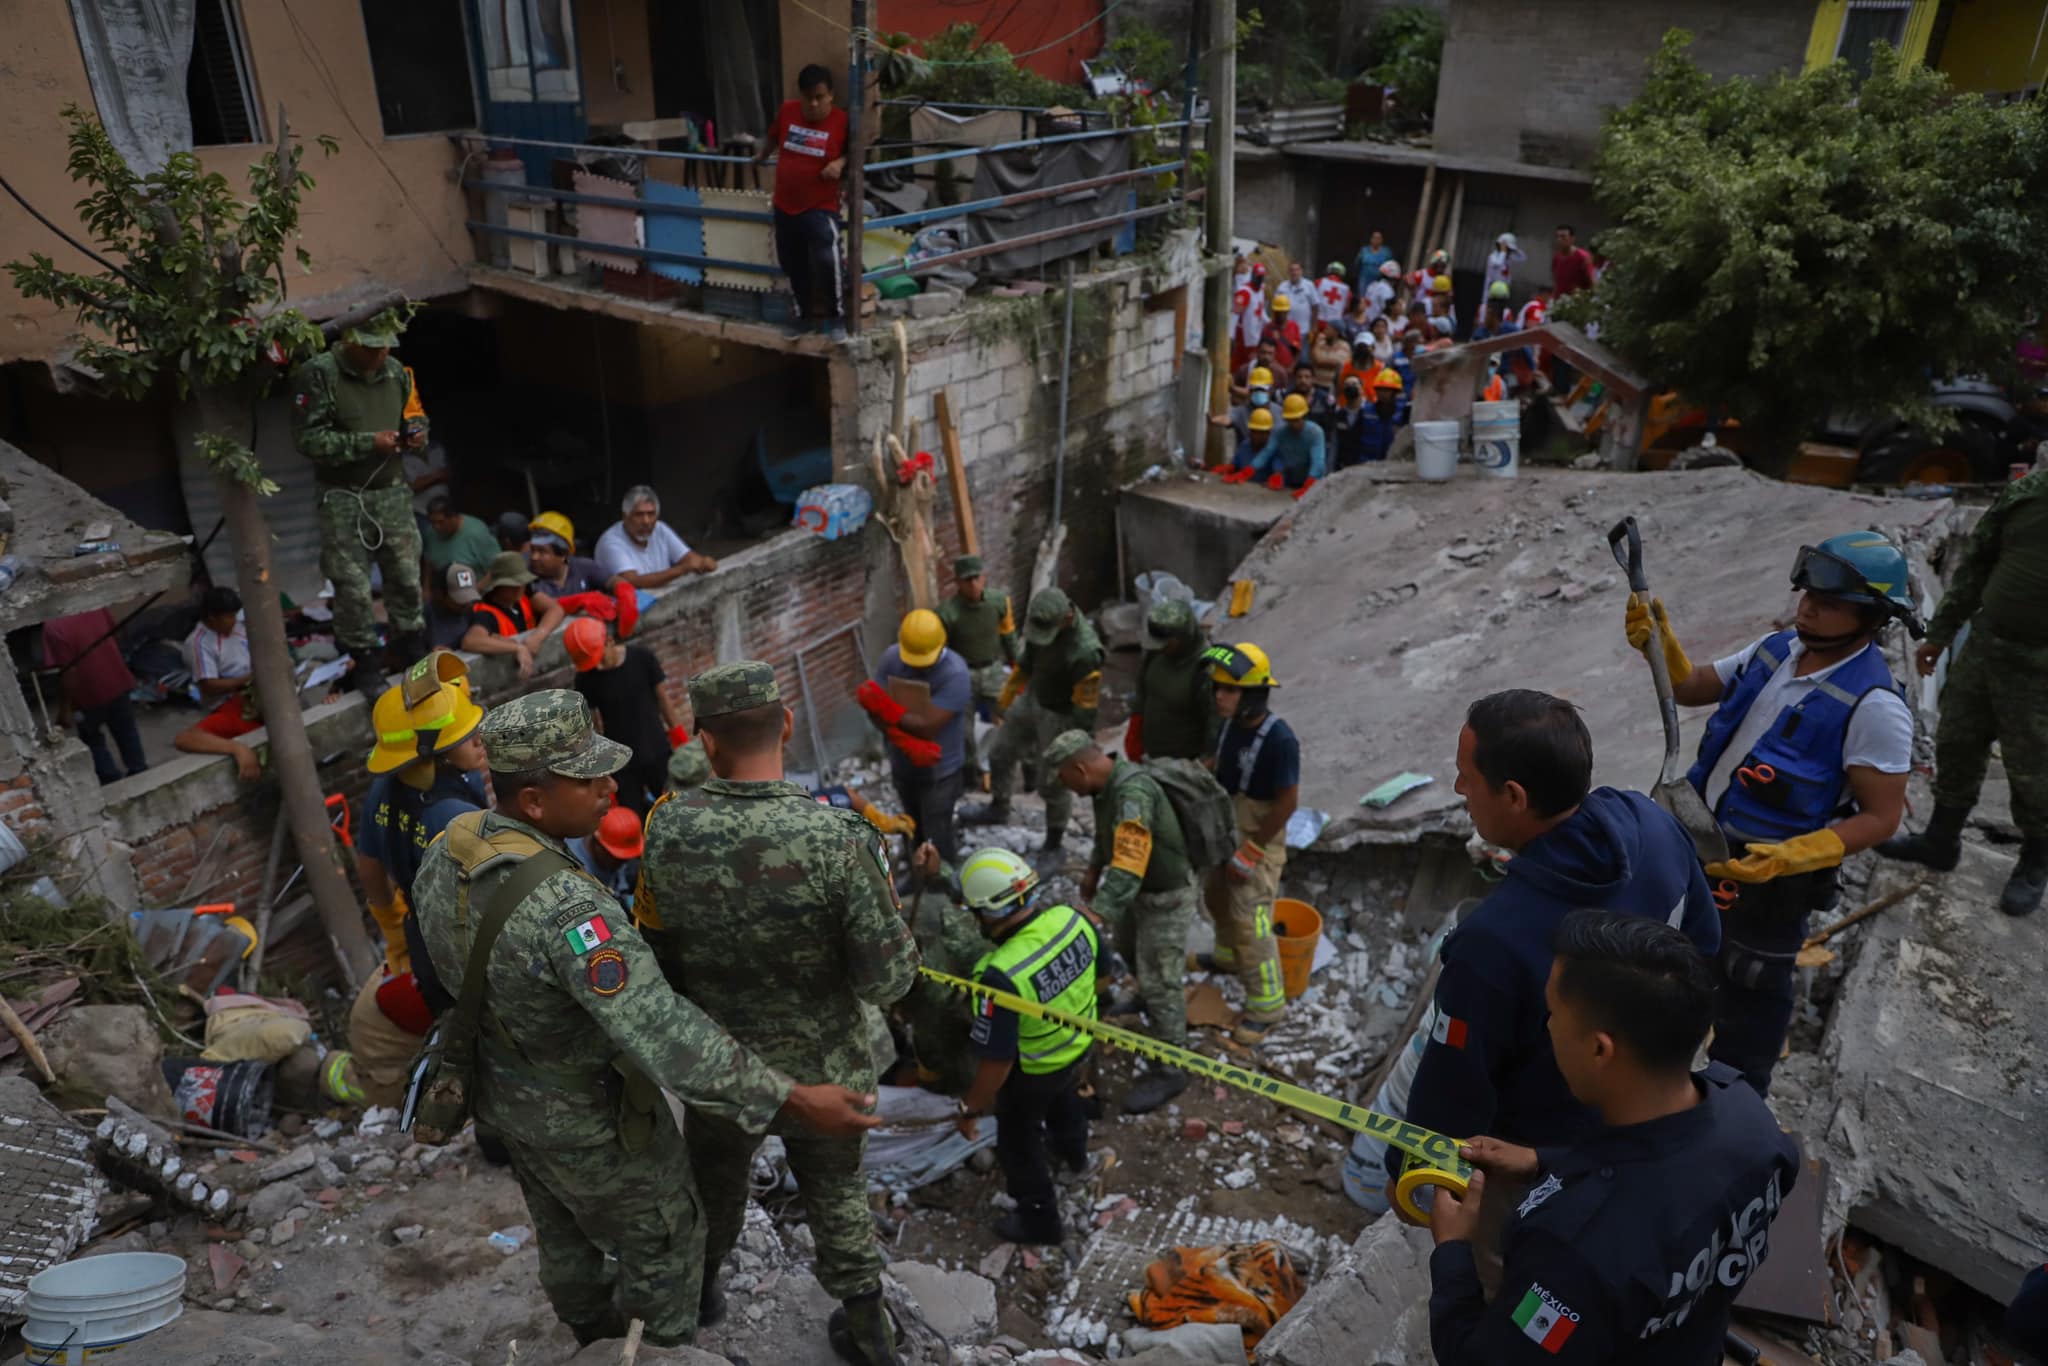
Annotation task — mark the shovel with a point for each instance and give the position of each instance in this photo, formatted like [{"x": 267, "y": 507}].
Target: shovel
[{"x": 1672, "y": 792}]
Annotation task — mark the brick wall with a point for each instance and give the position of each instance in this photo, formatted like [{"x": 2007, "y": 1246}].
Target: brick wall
[{"x": 21, "y": 810}]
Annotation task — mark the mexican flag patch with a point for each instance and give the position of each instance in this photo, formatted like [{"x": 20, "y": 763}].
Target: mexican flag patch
[
  {"x": 588, "y": 935},
  {"x": 1448, "y": 1031},
  {"x": 1544, "y": 1319}
]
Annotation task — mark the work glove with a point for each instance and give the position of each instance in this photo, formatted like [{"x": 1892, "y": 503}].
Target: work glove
[
  {"x": 678, "y": 736},
  {"x": 921, "y": 753},
  {"x": 1223, "y": 470},
  {"x": 1134, "y": 738},
  {"x": 1238, "y": 476},
  {"x": 1276, "y": 481},
  {"x": 1814, "y": 850},
  {"x": 875, "y": 700},
  {"x": 628, "y": 599},
  {"x": 888, "y": 822},
  {"x": 1013, "y": 688},
  {"x": 1244, "y": 864},
  {"x": 1303, "y": 489},
  {"x": 1637, "y": 624}
]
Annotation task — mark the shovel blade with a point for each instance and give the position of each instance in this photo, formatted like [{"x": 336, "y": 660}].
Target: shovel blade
[{"x": 1690, "y": 810}]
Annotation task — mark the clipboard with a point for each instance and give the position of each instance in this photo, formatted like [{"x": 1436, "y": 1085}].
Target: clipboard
[{"x": 913, "y": 694}]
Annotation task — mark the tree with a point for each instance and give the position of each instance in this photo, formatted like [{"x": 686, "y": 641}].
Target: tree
[
  {"x": 192, "y": 301},
  {"x": 1805, "y": 244}
]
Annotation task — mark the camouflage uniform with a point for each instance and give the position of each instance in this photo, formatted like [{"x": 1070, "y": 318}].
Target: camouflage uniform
[
  {"x": 688, "y": 766},
  {"x": 577, "y": 1032},
  {"x": 1175, "y": 705},
  {"x": 1147, "y": 891},
  {"x": 985, "y": 635},
  {"x": 1054, "y": 688},
  {"x": 941, "y": 1020},
  {"x": 774, "y": 914},
  {"x": 362, "y": 500}
]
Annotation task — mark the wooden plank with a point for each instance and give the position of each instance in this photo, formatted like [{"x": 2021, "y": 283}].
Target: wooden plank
[{"x": 956, "y": 472}]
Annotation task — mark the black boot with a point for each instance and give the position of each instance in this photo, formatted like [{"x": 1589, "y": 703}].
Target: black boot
[
  {"x": 711, "y": 1300},
  {"x": 1030, "y": 1223},
  {"x": 995, "y": 811},
  {"x": 367, "y": 675},
  {"x": 860, "y": 1331},
  {"x": 1939, "y": 846},
  {"x": 2029, "y": 879},
  {"x": 612, "y": 1325},
  {"x": 1054, "y": 839},
  {"x": 1153, "y": 1089}
]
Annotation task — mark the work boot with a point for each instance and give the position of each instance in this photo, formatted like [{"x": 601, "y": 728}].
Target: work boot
[
  {"x": 993, "y": 812},
  {"x": 1032, "y": 1223},
  {"x": 1209, "y": 962},
  {"x": 1939, "y": 846},
  {"x": 1251, "y": 1032},
  {"x": 1153, "y": 1088},
  {"x": 1053, "y": 840},
  {"x": 367, "y": 676},
  {"x": 408, "y": 649},
  {"x": 612, "y": 1325},
  {"x": 2029, "y": 879},
  {"x": 710, "y": 1300},
  {"x": 860, "y": 1331}
]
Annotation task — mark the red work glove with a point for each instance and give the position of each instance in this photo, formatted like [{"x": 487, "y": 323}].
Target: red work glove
[
  {"x": 921, "y": 753},
  {"x": 1303, "y": 489},
  {"x": 1245, "y": 862},
  {"x": 875, "y": 700},
  {"x": 629, "y": 608},
  {"x": 398, "y": 997},
  {"x": 1276, "y": 480},
  {"x": 1238, "y": 476},
  {"x": 678, "y": 736},
  {"x": 1134, "y": 739},
  {"x": 1223, "y": 470}
]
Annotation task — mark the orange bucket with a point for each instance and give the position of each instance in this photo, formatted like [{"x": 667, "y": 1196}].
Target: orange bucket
[{"x": 1297, "y": 926}]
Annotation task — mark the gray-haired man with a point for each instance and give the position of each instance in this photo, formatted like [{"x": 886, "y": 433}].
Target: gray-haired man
[{"x": 644, "y": 550}]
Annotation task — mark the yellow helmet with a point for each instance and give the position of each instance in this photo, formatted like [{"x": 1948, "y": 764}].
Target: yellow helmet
[
  {"x": 1295, "y": 408},
  {"x": 428, "y": 712},
  {"x": 1260, "y": 377},
  {"x": 920, "y": 639},
  {"x": 1440, "y": 285},
  {"x": 555, "y": 524},
  {"x": 1389, "y": 378},
  {"x": 1261, "y": 420},
  {"x": 1243, "y": 665}
]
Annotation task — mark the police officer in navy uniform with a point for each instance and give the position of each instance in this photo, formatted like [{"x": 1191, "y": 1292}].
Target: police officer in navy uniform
[
  {"x": 1803, "y": 763},
  {"x": 1630, "y": 1246}
]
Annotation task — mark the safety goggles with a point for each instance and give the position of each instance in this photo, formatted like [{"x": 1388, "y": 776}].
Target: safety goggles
[
  {"x": 1230, "y": 659},
  {"x": 1817, "y": 571}
]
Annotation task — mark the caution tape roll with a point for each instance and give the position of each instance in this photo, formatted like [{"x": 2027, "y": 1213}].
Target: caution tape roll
[{"x": 1432, "y": 1158}]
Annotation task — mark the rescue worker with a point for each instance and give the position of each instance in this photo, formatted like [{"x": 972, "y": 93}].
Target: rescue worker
[
  {"x": 1030, "y": 1068},
  {"x": 578, "y": 583},
  {"x": 1996, "y": 689},
  {"x": 939, "y": 1019},
  {"x": 1258, "y": 762},
  {"x": 1804, "y": 762},
  {"x": 611, "y": 853},
  {"x": 578, "y": 1034},
  {"x": 1257, "y": 444},
  {"x": 773, "y": 914},
  {"x": 1140, "y": 885},
  {"x": 1293, "y": 459},
  {"x": 1632, "y": 1243},
  {"x": 508, "y": 620},
  {"x": 1055, "y": 686},
  {"x": 354, "y": 415},
  {"x": 927, "y": 745},
  {"x": 427, "y": 768},
  {"x": 982, "y": 630},
  {"x": 1173, "y": 715}
]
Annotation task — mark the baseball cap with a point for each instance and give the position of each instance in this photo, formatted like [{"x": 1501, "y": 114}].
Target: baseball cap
[{"x": 462, "y": 584}]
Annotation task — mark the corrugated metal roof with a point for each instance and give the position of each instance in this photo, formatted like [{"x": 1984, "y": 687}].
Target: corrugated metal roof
[{"x": 294, "y": 534}]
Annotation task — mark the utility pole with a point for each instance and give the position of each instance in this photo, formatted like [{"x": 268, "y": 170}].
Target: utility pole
[
  {"x": 856, "y": 160},
  {"x": 1222, "y": 192}
]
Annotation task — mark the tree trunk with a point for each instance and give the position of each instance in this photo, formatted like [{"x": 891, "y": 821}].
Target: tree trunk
[{"x": 291, "y": 753}]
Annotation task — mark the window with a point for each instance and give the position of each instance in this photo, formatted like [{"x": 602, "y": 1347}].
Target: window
[
  {"x": 419, "y": 55},
  {"x": 529, "y": 49},
  {"x": 1867, "y": 23},
  {"x": 219, "y": 85}
]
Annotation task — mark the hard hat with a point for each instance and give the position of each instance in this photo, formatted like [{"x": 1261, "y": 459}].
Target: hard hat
[
  {"x": 439, "y": 722},
  {"x": 1335, "y": 268},
  {"x": 1280, "y": 304},
  {"x": 1243, "y": 665},
  {"x": 1294, "y": 408},
  {"x": 1390, "y": 269},
  {"x": 1497, "y": 290},
  {"x": 1261, "y": 377},
  {"x": 555, "y": 524},
  {"x": 1508, "y": 240},
  {"x": 1261, "y": 420},
  {"x": 1439, "y": 257},
  {"x": 995, "y": 883},
  {"x": 1857, "y": 566},
  {"x": 583, "y": 638},
  {"x": 1388, "y": 378},
  {"x": 1440, "y": 285},
  {"x": 921, "y": 638},
  {"x": 620, "y": 834}
]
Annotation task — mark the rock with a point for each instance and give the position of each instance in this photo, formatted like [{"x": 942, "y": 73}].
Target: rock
[
  {"x": 272, "y": 1203},
  {"x": 375, "y": 1168},
  {"x": 1589, "y": 461},
  {"x": 330, "y": 1174},
  {"x": 1220, "y": 1343},
  {"x": 407, "y": 1233},
  {"x": 291, "y": 1164},
  {"x": 1234, "y": 1128},
  {"x": 110, "y": 1050},
  {"x": 1237, "y": 1178},
  {"x": 1378, "y": 1294},
  {"x": 283, "y": 1231},
  {"x": 959, "y": 1305}
]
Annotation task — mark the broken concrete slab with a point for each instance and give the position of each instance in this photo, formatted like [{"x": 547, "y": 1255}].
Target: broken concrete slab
[
  {"x": 1375, "y": 1299},
  {"x": 111, "y": 1050},
  {"x": 1389, "y": 606},
  {"x": 1934, "y": 1045},
  {"x": 959, "y": 1305},
  {"x": 1195, "y": 527},
  {"x": 49, "y": 1189}
]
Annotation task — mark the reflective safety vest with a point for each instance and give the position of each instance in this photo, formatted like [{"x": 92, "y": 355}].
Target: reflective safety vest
[
  {"x": 1803, "y": 745},
  {"x": 1051, "y": 958},
  {"x": 503, "y": 619}
]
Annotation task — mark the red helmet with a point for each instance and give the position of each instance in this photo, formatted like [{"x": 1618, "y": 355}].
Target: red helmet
[{"x": 584, "y": 640}]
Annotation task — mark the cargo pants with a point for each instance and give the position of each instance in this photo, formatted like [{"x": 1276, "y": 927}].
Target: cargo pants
[
  {"x": 829, "y": 1181},
  {"x": 1152, "y": 935},
  {"x": 357, "y": 530},
  {"x": 1026, "y": 731},
  {"x": 988, "y": 683},
  {"x": 1996, "y": 689},
  {"x": 1243, "y": 916}
]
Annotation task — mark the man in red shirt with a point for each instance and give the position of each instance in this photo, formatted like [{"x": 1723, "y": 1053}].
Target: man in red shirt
[
  {"x": 1571, "y": 265},
  {"x": 810, "y": 135},
  {"x": 93, "y": 689}
]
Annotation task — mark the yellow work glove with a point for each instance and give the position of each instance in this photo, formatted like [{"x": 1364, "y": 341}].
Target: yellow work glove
[
  {"x": 1637, "y": 625},
  {"x": 888, "y": 822},
  {"x": 1805, "y": 853},
  {"x": 1013, "y": 688}
]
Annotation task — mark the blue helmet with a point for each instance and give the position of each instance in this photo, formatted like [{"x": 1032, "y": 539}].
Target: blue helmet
[{"x": 1858, "y": 566}]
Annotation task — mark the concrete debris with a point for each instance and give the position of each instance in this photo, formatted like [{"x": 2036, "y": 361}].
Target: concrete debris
[
  {"x": 49, "y": 1190},
  {"x": 143, "y": 1157},
  {"x": 1377, "y": 1293},
  {"x": 111, "y": 1050},
  {"x": 294, "y": 1163},
  {"x": 959, "y": 1305},
  {"x": 1221, "y": 1344}
]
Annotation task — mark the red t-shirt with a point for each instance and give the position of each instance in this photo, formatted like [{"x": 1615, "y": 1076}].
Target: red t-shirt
[
  {"x": 1571, "y": 271},
  {"x": 99, "y": 675},
  {"x": 803, "y": 149}
]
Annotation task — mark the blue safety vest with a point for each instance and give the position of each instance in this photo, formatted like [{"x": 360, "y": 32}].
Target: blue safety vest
[{"x": 1803, "y": 745}]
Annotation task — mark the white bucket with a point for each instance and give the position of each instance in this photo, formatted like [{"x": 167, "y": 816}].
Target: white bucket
[
  {"x": 1436, "y": 450},
  {"x": 90, "y": 1308},
  {"x": 1497, "y": 438}
]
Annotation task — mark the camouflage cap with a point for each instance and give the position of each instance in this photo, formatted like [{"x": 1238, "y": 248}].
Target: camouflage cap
[
  {"x": 969, "y": 567},
  {"x": 550, "y": 729},
  {"x": 1066, "y": 745},
  {"x": 1048, "y": 612},
  {"x": 689, "y": 766},
  {"x": 1169, "y": 619},
  {"x": 740, "y": 686},
  {"x": 373, "y": 336}
]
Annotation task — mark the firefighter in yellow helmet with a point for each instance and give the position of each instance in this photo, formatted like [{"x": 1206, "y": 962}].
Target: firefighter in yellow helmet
[
  {"x": 1258, "y": 761},
  {"x": 922, "y": 696}
]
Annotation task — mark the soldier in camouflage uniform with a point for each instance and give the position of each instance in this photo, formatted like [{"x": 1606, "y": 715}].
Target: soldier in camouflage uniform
[
  {"x": 1141, "y": 884},
  {"x": 1996, "y": 689},
  {"x": 982, "y": 631},
  {"x": 1055, "y": 687},
  {"x": 354, "y": 415},
  {"x": 773, "y": 913},
  {"x": 949, "y": 940},
  {"x": 687, "y": 766},
  {"x": 578, "y": 1034},
  {"x": 1173, "y": 715}
]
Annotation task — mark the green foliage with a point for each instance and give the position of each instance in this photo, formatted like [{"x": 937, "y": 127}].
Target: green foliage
[
  {"x": 896, "y": 66},
  {"x": 1288, "y": 49},
  {"x": 962, "y": 69},
  {"x": 1406, "y": 47},
  {"x": 197, "y": 274},
  {"x": 1145, "y": 54},
  {"x": 1809, "y": 243}
]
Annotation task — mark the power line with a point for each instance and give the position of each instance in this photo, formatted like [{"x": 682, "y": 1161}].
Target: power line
[{"x": 1107, "y": 8}]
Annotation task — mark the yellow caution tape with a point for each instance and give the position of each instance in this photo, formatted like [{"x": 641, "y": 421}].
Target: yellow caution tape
[{"x": 1432, "y": 1157}]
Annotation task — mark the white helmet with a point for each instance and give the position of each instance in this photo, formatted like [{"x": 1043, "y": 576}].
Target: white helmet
[{"x": 996, "y": 883}]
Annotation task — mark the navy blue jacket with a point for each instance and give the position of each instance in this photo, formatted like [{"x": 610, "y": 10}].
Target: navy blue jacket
[
  {"x": 2026, "y": 1318},
  {"x": 1488, "y": 1068},
  {"x": 1631, "y": 1246}
]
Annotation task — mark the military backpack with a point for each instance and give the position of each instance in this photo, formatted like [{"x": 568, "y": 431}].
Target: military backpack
[{"x": 1208, "y": 821}]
